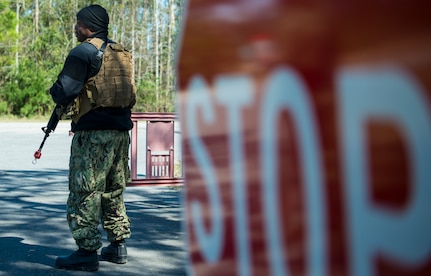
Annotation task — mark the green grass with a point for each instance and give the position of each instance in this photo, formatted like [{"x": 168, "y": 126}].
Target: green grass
[{"x": 12, "y": 118}]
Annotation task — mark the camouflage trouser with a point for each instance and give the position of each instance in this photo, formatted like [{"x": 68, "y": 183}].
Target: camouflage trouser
[{"x": 98, "y": 174}]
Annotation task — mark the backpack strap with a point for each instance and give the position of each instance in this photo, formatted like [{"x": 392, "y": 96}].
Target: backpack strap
[{"x": 96, "y": 62}]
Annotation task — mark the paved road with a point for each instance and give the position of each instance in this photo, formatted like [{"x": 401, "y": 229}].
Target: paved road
[{"x": 33, "y": 227}]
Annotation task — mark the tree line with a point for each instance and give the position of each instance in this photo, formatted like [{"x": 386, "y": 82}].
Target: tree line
[{"x": 37, "y": 35}]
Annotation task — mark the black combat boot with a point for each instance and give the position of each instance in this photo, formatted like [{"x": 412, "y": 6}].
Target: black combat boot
[
  {"x": 116, "y": 252},
  {"x": 79, "y": 260}
]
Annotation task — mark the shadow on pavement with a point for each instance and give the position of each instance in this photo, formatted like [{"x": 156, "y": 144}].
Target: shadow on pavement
[
  {"x": 34, "y": 231},
  {"x": 19, "y": 258}
]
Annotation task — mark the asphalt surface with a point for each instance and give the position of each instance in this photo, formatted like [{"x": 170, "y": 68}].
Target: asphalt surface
[{"x": 33, "y": 226}]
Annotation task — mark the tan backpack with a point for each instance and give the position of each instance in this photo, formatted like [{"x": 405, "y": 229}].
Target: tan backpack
[{"x": 112, "y": 86}]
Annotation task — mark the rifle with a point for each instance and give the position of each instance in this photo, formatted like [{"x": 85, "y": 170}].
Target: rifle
[{"x": 52, "y": 124}]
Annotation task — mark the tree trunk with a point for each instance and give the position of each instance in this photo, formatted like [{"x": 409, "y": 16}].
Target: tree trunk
[
  {"x": 75, "y": 9},
  {"x": 156, "y": 47},
  {"x": 17, "y": 38},
  {"x": 169, "y": 69},
  {"x": 36, "y": 18},
  {"x": 133, "y": 12}
]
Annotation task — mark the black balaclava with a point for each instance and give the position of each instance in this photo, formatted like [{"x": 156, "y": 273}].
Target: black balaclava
[{"x": 94, "y": 17}]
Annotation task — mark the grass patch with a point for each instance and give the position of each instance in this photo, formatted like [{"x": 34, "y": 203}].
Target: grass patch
[{"x": 13, "y": 118}]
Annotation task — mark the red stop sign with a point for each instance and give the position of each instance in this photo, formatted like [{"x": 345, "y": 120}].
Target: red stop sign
[{"x": 307, "y": 137}]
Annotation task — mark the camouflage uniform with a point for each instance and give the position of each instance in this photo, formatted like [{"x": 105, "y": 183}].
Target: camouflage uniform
[{"x": 99, "y": 172}]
